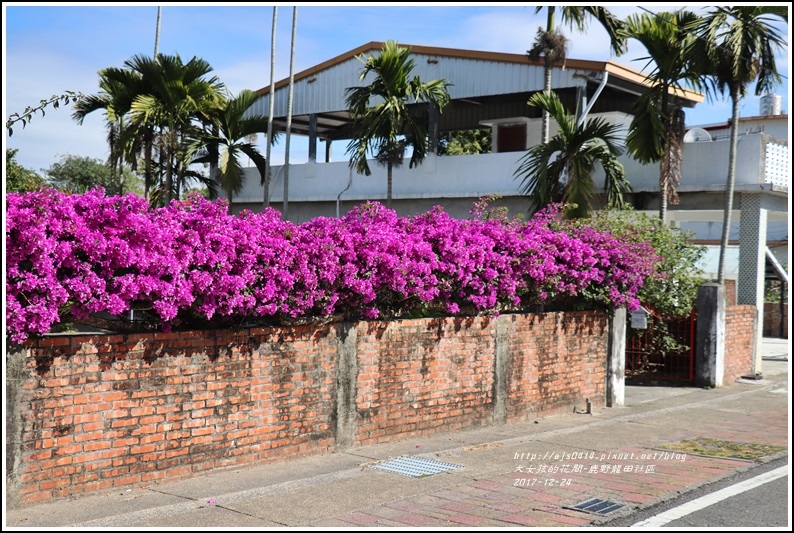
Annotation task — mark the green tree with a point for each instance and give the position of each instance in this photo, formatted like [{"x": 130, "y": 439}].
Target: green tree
[
  {"x": 465, "y": 142},
  {"x": 656, "y": 133},
  {"x": 387, "y": 127},
  {"x": 228, "y": 137},
  {"x": 19, "y": 178},
  {"x": 673, "y": 288},
  {"x": 552, "y": 45},
  {"x": 79, "y": 174},
  {"x": 561, "y": 169},
  {"x": 737, "y": 45}
]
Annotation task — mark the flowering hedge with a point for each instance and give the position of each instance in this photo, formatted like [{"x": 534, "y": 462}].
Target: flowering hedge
[{"x": 70, "y": 257}]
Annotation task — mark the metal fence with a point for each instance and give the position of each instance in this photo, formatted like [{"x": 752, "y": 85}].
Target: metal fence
[{"x": 664, "y": 350}]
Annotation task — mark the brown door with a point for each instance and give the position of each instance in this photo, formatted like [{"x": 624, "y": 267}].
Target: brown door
[{"x": 512, "y": 138}]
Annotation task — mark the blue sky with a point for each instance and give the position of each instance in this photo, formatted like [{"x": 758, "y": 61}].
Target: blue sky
[{"x": 48, "y": 49}]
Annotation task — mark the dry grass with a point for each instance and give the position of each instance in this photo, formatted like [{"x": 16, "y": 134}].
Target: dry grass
[{"x": 723, "y": 448}]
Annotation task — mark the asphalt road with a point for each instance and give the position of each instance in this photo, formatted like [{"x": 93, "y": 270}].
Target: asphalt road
[{"x": 763, "y": 506}]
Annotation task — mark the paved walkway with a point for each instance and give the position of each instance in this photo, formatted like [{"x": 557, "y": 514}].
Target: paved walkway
[{"x": 527, "y": 474}]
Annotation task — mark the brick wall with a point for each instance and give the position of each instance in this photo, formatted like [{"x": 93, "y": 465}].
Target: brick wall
[
  {"x": 556, "y": 361},
  {"x": 772, "y": 318},
  {"x": 86, "y": 413},
  {"x": 730, "y": 291},
  {"x": 416, "y": 376},
  {"x": 740, "y": 321},
  {"x": 96, "y": 412}
]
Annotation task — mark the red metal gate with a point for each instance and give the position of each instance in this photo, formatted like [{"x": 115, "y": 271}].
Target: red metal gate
[{"x": 664, "y": 350}]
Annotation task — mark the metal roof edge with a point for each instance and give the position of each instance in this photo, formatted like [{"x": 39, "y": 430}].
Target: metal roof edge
[{"x": 612, "y": 67}]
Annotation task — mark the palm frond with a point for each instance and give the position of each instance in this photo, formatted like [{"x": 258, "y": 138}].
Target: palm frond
[{"x": 561, "y": 170}]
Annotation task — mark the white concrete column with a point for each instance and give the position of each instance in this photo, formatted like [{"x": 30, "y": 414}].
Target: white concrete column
[
  {"x": 616, "y": 359},
  {"x": 752, "y": 262}
]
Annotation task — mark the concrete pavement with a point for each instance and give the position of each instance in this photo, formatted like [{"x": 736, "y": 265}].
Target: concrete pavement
[{"x": 533, "y": 473}]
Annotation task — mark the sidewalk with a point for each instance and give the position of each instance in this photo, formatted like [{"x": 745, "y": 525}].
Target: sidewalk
[{"x": 527, "y": 474}]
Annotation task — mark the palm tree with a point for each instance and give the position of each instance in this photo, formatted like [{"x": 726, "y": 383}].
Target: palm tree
[
  {"x": 123, "y": 85},
  {"x": 229, "y": 138},
  {"x": 656, "y": 133},
  {"x": 552, "y": 45},
  {"x": 180, "y": 95},
  {"x": 162, "y": 97},
  {"x": 388, "y": 127},
  {"x": 738, "y": 43},
  {"x": 118, "y": 89},
  {"x": 561, "y": 169}
]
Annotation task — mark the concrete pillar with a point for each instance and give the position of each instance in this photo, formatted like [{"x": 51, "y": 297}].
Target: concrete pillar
[
  {"x": 501, "y": 366},
  {"x": 432, "y": 130},
  {"x": 328, "y": 150},
  {"x": 312, "y": 138},
  {"x": 752, "y": 264},
  {"x": 346, "y": 371},
  {"x": 710, "y": 336},
  {"x": 16, "y": 375},
  {"x": 581, "y": 103},
  {"x": 616, "y": 359}
]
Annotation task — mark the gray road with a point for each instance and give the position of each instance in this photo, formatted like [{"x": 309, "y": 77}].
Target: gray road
[
  {"x": 720, "y": 504},
  {"x": 765, "y": 506}
]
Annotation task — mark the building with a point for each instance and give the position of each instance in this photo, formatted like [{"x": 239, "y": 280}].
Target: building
[{"x": 491, "y": 90}]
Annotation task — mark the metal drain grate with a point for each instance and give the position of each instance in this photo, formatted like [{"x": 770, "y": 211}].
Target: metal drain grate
[
  {"x": 598, "y": 506},
  {"x": 415, "y": 466}
]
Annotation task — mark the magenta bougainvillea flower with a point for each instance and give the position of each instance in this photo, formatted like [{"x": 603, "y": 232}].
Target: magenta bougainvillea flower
[{"x": 83, "y": 254}]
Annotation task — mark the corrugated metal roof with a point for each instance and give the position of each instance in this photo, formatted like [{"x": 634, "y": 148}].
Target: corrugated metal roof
[{"x": 321, "y": 89}]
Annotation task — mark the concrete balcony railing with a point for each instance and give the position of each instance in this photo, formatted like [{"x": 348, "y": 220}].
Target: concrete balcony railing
[{"x": 761, "y": 160}]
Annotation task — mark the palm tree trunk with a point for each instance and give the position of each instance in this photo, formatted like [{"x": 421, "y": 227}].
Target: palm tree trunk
[
  {"x": 730, "y": 185},
  {"x": 119, "y": 159},
  {"x": 547, "y": 70},
  {"x": 389, "y": 166},
  {"x": 266, "y": 200},
  {"x": 663, "y": 186},
  {"x": 664, "y": 170},
  {"x": 169, "y": 161},
  {"x": 113, "y": 148},
  {"x": 147, "y": 178},
  {"x": 213, "y": 149},
  {"x": 546, "y": 89},
  {"x": 289, "y": 112}
]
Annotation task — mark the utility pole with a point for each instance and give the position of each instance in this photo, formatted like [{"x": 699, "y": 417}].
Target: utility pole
[
  {"x": 157, "y": 32},
  {"x": 266, "y": 200}
]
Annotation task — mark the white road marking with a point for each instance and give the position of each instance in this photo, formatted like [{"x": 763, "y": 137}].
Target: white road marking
[{"x": 710, "y": 499}]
